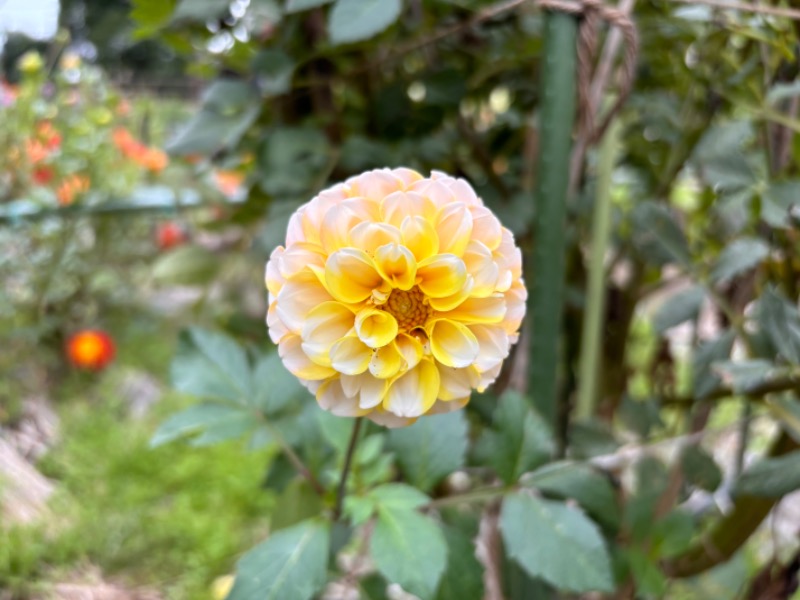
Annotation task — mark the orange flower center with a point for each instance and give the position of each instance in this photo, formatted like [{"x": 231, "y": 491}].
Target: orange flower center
[
  {"x": 88, "y": 349},
  {"x": 408, "y": 308}
]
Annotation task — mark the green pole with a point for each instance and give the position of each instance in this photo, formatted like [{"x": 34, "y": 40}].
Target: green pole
[{"x": 546, "y": 266}]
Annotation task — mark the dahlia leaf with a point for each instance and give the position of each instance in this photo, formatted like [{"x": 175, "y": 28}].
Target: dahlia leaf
[
  {"x": 289, "y": 565},
  {"x": 431, "y": 448},
  {"x": 555, "y": 542},
  {"x": 409, "y": 549}
]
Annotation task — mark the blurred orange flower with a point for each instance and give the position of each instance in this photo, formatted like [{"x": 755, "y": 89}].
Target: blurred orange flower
[
  {"x": 90, "y": 349},
  {"x": 36, "y": 151},
  {"x": 169, "y": 235},
  {"x": 48, "y": 135},
  {"x": 70, "y": 187},
  {"x": 228, "y": 182},
  {"x": 152, "y": 159},
  {"x": 42, "y": 175}
]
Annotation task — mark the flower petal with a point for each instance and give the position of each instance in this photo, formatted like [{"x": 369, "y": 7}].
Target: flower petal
[
  {"x": 456, "y": 383},
  {"x": 350, "y": 355},
  {"x": 399, "y": 205},
  {"x": 375, "y": 328},
  {"x": 370, "y": 236},
  {"x": 446, "y": 406},
  {"x": 481, "y": 265},
  {"x": 297, "y": 297},
  {"x": 386, "y": 362},
  {"x": 491, "y": 309},
  {"x": 485, "y": 227},
  {"x": 493, "y": 343},
  {"x": 454, "y": 227},
  {"x": 376, "y": 184},
  {"x": 296, "y": 361},
  {"x": 387, "y": 419},
  {"x": 450, "y": 302},
  {"x": 410, "y": 349},
  {"x": 351, "y": 275},
  {"x": 325, "y": 325},
  {"x": 397, "y": 265},
  {"x": 332, "y": 398},
  {"x": 369, "y": 390},
  {"x": 413, "y": 393},
  {"x": 453, "y": 344},
  {"x": 420, "y": 237},
  {"x": 441, "y": 275}
]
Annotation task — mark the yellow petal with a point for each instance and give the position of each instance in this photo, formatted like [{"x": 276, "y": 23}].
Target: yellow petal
[
  {"x": 296, "y": 361},
  {"x": 410, "y": 349},
  {"x": 450, "y": 302},
  {"x": 491, "y": 309},
  {"x": 332, "y": 398},
  {"x": 297, "y": 297},
  {"x": 324, "y": 326},
  {"x": 375, "y": 184},
  {"x": 351, "y": 275},
  {"x": 399, "y": 205},
  {"x": 493, "y": 343},
  {"x": 485, "y": 227},
  {"x": 420, "y": 237},
  {"x": 299, "y": 256},
  {"x": 369, "y": 390},
  {"x": 375, "y": 327},
  {"x": 481, "y": 265},
  {"x": 276, "y": 327},
  {"x": 454, "y": 226},
  {"x": 413, "y": 393},
  {"x": 370, "y": 236},
  {"x": 456, "y": 384},
  {"x": 397, "y": 265},
  {"x": 453, "y": 344},
  {"x": 434, "y": 190},
  {"x": 272, "y": 276},
  {"x": 386, "y": 362},
  {"x": 350, "y": 355},
  {"x": 441, "y": 275}
]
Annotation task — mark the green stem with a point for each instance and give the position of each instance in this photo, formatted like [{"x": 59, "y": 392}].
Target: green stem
[
  {"x": 591, "y": 342},
  {"x": 348, "y": 459},
  {"x": 295, "y": 459},
  {"x": 547, "y": 264},
  {"x": 480, "y": 495}
]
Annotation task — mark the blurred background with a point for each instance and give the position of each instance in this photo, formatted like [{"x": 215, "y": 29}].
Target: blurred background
[{"x": 151, "y": 152}]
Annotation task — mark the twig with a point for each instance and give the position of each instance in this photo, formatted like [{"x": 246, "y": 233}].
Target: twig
[
  {"x": 348, "y": 459},
  {"x": 754, "y": 393},
  {"x": 775, "y": 11},
  {"x": 479, "y": 495}
]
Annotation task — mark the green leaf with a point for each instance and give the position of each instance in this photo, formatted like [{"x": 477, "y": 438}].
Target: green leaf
[
  {"x": 431, "y": 448},
  {"x": 786, "y": 409},
  {"x": 293, "y": 6},
  {"x": 721, "y": 160},
  {"x": 700, "y": 469},
  {"x": 555, "y": 542},
  {"x": 657, "y": 235},
  {"x": 356, "y": 20},
  {"x": 228, "y": 110},
  {"x": 192, "y": 420},
  {"x": 519, "y": 440},
  {"x": 296, "y": 503},
  {"x": 745, "y": 374},
  {"x": 273, "y": 70},
  {"x": 704, "y": 380},
  {"x": 780, "y": 321},
  {"x": 211, "y": 365},
  {"x": 739, "y": 256},
  {"x": 186, "y": 265},
  {"x": 292, "y": 160},
  {"x": 679, "y": 308},
  {"x": 409, "y": 548},
  {"x": 150, "y": 16},
  {"x": 782, "y": 91},
  {"x": 580, "y": 482},
  {"x": 777, "y": 202},
  {"x": 463, "y": 577},
  {"x": 771, "y": 477},
  {"x": 200, "y": 10},
  {"x": 398, "y": 496},
  {"x": 222, "y": 431},
  {"x": 289, "y": 565},
  {"x": 274, "y": 387},
  {"x": 591, "y": 438}
]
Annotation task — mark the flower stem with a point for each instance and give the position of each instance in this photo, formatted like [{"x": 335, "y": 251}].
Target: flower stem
[{"x": 348, "y": 459}]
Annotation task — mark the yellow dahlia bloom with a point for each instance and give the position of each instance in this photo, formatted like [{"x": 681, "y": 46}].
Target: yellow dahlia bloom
[{"x": 395, "y": 296}]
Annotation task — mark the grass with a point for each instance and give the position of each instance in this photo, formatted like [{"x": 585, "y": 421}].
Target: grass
[{"x": 172, "y": 518}]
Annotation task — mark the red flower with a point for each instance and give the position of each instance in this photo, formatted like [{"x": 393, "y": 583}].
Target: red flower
[
  {"x": 42, "y": 175},
  {"x": 90, "y": 349},
  {"x": 169, "y": 234}
]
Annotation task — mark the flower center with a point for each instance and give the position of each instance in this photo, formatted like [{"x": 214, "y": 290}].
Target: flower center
[{"x": 409, "y": 308}]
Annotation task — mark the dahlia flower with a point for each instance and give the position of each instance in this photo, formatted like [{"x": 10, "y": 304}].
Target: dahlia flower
[
  {"x": 90, "y": 349},
  {"x": 395, "y": 296}
]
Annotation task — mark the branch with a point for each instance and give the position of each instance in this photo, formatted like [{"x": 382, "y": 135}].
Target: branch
[
  {"x": 754, "y": 392},
  {"x": 348, "y": 459}
]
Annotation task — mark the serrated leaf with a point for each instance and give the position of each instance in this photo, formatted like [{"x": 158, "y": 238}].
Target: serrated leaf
[
  {"x": 704, "y": 380},
  {"x": 293, "y": 6},
  {"x": 555, "y": 542},
  {"x": 229, "y": 429},
  {"x": 274, "y": 387},
  {"x": 211, "y": 365},
  {"x": 739, "y": 256},
  {"x": 289, "y": 565},
  {"x": 678, "y": 308},
  {"x": 357, "y": 20},
  {"x": 519, "y": 440},
  {"x": 409, "y": 548},
  {"x": 580, "y": 482},
  {"x": 657, "y": 235},
  {"x": 780, "y": 321},
  {"x": 771, "y": 477},
  {"x": 699, "y": 468},
  {"x": 431, "y": 448},
  {"x": 721, "y": 160},
  {"x": 192, "y": 420},
  {"x": 463, "y": 577},
  {"x": 398, "y": 496}
]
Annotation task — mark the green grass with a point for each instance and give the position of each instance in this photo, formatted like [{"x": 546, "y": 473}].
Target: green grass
[{"x": 173, "y": 518}]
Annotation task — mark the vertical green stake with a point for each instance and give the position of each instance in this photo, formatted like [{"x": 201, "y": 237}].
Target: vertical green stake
[
  {"x": 546, "y": 269},
  {"x": 591, "y": 340}
]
